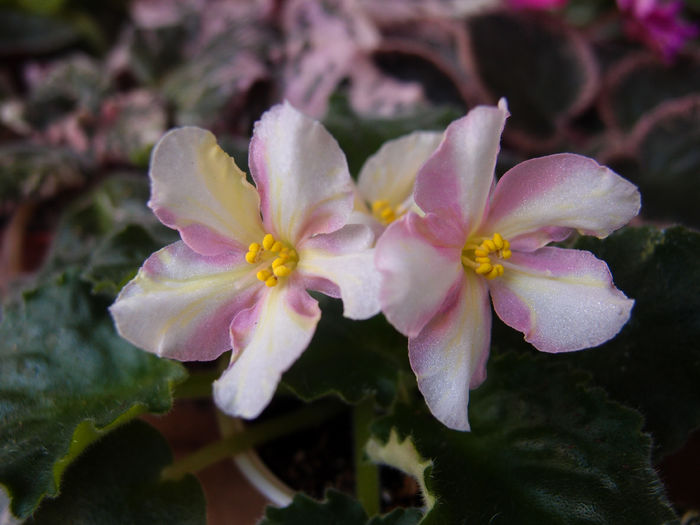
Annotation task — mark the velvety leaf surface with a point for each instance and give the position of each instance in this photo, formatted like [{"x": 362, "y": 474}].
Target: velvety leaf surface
[
  {"x": 350, "y": 359},
  {"x": 669, "y": 162},
  {"x": 117, "y": 481},
  {"x": 336, "y": 509},
  {"x": 654, "y": 363},
  {"x": 31, "y": 33},
  {"x": 66, "y": 377},
  {"x": 32, "y": 172},
  {"x": 108, "y": 232},
  {"x": 543, "y": 449},
  {"x": 517, "y": 56},
  {"x": 638, "y": 85},
  {"x": 359, "y": 137}
]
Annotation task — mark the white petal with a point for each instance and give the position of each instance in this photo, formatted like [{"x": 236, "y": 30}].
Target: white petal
[
  {"x": 269, "y": 337},
  {"x": 198, "y": 189},
  {"x": 346, "y": 259},
  {"x": 449, "y": 355},
  {"x": 301, "y": 174},
  {"x": 181, "y": 303},
  {"x": 562, "y": 300}
]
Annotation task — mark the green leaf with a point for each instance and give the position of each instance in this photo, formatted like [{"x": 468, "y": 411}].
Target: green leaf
[
  {"x": 654, "y": 363},
  {"x": 117, "y": 258},
  {"x": 30, "y": 172},
  {"x": 517, "y": 56},
  {"x": 543, "y": 449},
  {"x": 117, "y": 481},
  {"x": 29, "y": 33},
  {"x": 67, "y": 378},
  {"x": 336, "y": 509},
  {"x": 669, "y": 161},
  {"x": 351, "y": 359},
  {"x": 359, "y": 137},
  {"x": 108, "y": 232},
  {"x": 639, "y": 84}
]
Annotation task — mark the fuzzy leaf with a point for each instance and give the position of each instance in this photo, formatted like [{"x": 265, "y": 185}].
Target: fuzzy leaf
[
  {"x": 27, "y": 33},
  {"x": 350, "y": 359},
  {"x": 654, "y": 363},
  {"x": 117, "y": 481},
  {"x": 543, "y": 449},
  {"x": 66, "y": 379},
  {"x": 29, "y": 172},
  {"x": 336, "y": 509},
  {"x": 517, "y": 56},
  {"x": 639, "y": 84}
]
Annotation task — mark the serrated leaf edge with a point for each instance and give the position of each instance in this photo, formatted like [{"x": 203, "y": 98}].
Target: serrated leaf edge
[{"x": 403, "y": 455}]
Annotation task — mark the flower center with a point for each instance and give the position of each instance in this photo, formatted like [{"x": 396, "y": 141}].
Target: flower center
[
  {"x": 283, "y": 259},
  {"x": 383, "y": 211},
  {"x": 478, "y": 251}
]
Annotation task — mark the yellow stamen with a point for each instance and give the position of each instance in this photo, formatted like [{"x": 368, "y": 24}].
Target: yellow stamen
[
  {"x": 478, "y": 254},
  {"x": 268, "y": 241},
  {"x": 281, "y": 271},
  {"x": 383, "y": 211},
  {"x": 282, "y": 259}
]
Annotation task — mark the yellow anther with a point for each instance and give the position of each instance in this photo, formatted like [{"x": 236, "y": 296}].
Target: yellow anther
[
  {"x": 481, "y": 253},
  {"x": 271, "y": 281},
  {"x": 251, "y": 257},
  {"x": 379, "y": 205},
  {"x": 484, "y": 268},
  {"x": 496, "y": 271},
  {"x": 506, "y": 253},
  {"x": 268, "y": 241},
  {"x": 498, "y": 240},
  {"x": 293, "y": 254},
  {"x": 489, "y": 245},
  {"x": 281, "y": 271},
  {"x": 263, "y": 275},
  {"x": 506, "y": 244},
  {"x": 254, "y": 247},
  {"x": 276, "y": 247},
  {"x": 277, "y": 262},
  {"x": 482, "y": 259}
]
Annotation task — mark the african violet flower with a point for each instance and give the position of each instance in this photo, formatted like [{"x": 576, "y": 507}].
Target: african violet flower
[
  {"x": 658, "y": 24},
  {"x": 478, "y": 238},
  {"x": 386, "y": 180},
  {"x": 238, "y": 278}
]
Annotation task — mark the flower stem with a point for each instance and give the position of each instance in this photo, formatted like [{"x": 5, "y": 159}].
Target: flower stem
[
  {"x": 366, "y": 473},
  {"x": 253, "y": 435}
]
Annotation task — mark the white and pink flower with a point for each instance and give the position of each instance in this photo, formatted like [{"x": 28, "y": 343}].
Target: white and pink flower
[
  {"x": 238, "y": 278},
  {"x": 478, "y": 238}
]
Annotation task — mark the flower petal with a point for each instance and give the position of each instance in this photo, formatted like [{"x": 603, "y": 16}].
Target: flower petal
[
  {"x": 270, "y": 336},
  {"x": 537, "y": 199},
  {"x": 301, "y": 174},
  {"x": 346, "y": 259},
  {"x": 562, "y": 300},
  {"x": 449, "y": 355},
  {"x": 456, "y": 180},
  {"x": 390, "y": 173},
  {"x": 198, "y": 189},
  {"x": 417, "y": 272},
  {"x": 181, "y": 303}
]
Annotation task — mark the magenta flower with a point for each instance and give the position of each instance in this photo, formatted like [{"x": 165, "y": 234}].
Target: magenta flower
[
  {"x": 479, "y": 238},
  {"x": 658, "y": 24},
  {"x": 238, "y": 278}
]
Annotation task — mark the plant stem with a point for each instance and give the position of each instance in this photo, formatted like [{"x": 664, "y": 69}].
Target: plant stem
[
  {"x": 253, "y": 435},
  {"x": 197, "y": 385},
  {"x": 366, "y": 473}
]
